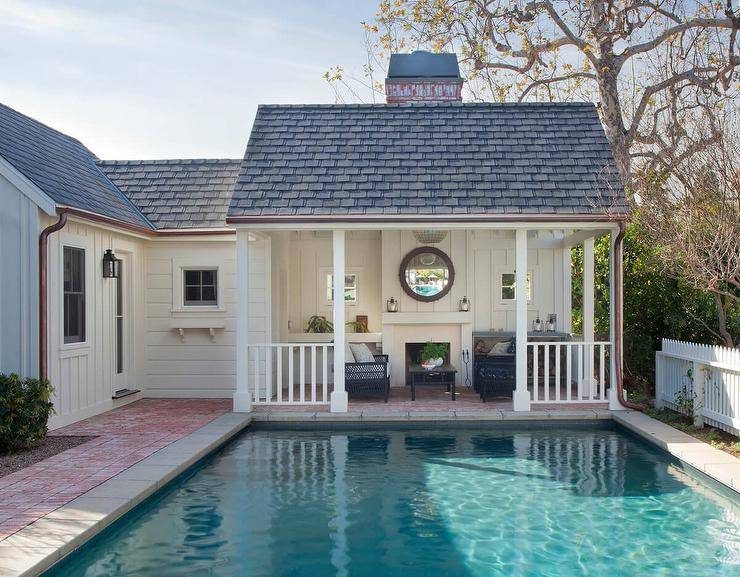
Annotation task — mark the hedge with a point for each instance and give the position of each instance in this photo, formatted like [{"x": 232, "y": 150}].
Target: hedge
[{"x": 24, "y": 411}]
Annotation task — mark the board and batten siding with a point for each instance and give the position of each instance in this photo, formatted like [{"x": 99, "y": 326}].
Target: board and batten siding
[
  {"x": 198, "y": 366},
  {"x": 19, "y": 232},
  {"x": 83, "y": 374}
]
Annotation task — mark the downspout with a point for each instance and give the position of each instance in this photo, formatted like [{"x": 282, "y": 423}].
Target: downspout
[
  {"x": 618, "y": 344},
  {"x": 43, "y": 324}
]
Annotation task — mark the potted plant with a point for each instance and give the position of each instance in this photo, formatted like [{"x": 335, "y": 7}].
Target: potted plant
[
  {"x": 319, "y": 324},
  {"x": 433, "y": 354}
]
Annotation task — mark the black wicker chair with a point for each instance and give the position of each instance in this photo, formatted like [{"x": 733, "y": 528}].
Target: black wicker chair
[
  {"x": 494, "y": 375},
  {"x": 368, "y": 379}
]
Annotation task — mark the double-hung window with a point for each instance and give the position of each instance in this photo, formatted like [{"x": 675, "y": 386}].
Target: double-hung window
[{"x": 74, "y": 294}]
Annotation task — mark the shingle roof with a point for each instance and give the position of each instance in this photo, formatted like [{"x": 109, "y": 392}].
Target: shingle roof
[
  {"x": 452, "y": 158},
  {"x": 62, "y": 168},
  {"x": 192, "y": 193}
]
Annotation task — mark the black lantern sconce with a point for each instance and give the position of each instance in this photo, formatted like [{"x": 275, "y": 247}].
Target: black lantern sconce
[
  {"x": 111, "y": 265},
  {"x": 464, "y": 305},
  {"x": 391, "y": 305}
]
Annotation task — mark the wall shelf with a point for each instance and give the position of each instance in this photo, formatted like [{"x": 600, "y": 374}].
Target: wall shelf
[{"x": 211, "y": 325}]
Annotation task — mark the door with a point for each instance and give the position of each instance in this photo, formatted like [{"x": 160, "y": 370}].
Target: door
[{"x": 122, "y": 329}]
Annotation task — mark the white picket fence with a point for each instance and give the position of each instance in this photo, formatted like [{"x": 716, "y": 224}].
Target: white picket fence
[{"x": 705, "y": 377}]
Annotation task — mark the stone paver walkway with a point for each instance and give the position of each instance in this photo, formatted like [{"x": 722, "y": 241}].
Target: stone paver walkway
[{"x": 125, "y": 436}]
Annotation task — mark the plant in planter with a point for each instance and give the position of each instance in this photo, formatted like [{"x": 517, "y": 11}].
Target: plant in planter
[
  {"x": 433, "y": 354},
  {"x": 319, "y": 324}
]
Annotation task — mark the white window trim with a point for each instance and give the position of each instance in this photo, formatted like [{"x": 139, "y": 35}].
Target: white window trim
[
  {"x": 76, "y": 241},
  {"x": 179, "y": 266},
  {"x": 511, "y": 303},
  {"x": 327, "y": 304}
]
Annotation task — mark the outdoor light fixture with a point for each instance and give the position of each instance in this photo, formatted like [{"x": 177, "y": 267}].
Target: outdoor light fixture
[
  {"x": 391, "y": 305},
  {"x": 111, "y": 265},
  {"x": 464, "y": 305},
  {"x": 430, "y": 236}
]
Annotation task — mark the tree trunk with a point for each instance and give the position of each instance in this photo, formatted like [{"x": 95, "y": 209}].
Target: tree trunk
[
  {"x": 725, "y": 336},
  {"x": 611, "y": 115}
]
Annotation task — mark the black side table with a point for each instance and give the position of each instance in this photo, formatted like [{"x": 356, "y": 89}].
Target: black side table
[{"x": 443, "y": 375}]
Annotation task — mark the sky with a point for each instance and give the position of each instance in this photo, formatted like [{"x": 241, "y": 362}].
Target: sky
[{"x": 171, "y": 78}]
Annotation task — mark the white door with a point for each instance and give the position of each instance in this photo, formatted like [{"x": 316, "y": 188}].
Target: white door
[{"x": 122, "y": 328}]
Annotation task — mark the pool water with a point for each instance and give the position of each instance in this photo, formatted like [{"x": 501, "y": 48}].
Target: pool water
[{"x": 479, "y": 502}]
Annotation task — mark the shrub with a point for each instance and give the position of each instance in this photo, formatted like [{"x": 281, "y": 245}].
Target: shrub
[{"x": 24, "y": 411}]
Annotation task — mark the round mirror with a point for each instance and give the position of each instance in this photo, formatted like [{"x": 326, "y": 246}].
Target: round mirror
[{"x": 426, "y": 274}]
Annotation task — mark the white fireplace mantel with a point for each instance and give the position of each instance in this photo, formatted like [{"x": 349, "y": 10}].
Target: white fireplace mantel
[{"x": 430, "y": 318}]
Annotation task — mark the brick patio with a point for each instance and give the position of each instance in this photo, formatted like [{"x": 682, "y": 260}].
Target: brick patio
[{"x": 125, "y": 436}]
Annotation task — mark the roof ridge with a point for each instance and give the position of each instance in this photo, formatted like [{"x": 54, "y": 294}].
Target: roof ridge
[
  {"x": 165, "y": 161},
  {"x": 433, "y": 105}
]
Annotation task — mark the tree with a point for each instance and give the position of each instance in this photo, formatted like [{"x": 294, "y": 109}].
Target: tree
[
  {"x": 692, "y": 217},
  {"x": 646, "y": 63}
]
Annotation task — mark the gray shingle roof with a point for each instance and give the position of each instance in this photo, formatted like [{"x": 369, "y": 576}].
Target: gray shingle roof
[
  {"x": 192, "y": 193},
  {"x": 62, "y": 168},
  {"x": 452, "y": 158}
]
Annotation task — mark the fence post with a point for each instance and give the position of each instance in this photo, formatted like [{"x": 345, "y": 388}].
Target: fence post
[
  {"x": 659, "y": 376},
  {"x": 697, "y": 372}
]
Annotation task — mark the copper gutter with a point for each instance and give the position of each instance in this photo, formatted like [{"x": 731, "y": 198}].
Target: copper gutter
[
  {"x": 43, "y": 324},
  {"x": 618, "y": 304}
]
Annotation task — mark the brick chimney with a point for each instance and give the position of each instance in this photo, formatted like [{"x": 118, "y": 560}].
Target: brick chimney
[{"x": 423, "y": 77}]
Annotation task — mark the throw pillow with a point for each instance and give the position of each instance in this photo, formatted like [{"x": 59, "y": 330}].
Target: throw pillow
[
  {"x": 348, "y": 356},
  {"x": 501, "y": 348},
  {"x": 362, "y": 353}
]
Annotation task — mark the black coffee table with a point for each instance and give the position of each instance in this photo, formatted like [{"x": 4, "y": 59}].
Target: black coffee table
[{"x": 443, "y": 375}]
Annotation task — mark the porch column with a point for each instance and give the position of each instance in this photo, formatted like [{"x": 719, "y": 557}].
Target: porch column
[
  {"x": 521, "y": 394},
  {"x": 586, "y": 380},
  {"x": 242, "y": 396},
  {"x": 339, "y": 400},
  {"x": 614, "y": 308}
]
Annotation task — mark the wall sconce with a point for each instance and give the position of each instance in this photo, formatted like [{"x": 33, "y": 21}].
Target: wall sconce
[
  {"x": 464, "y": 305},
  {"x": 391, "y": 305},
  {"x": 111, "y": 265}
]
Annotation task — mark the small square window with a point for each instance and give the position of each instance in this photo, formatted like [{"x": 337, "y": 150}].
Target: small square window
[
  {"x": 508, "y": 286},
  {"x": 350, "y": 288},
  {"x": 200, "y": 287}
]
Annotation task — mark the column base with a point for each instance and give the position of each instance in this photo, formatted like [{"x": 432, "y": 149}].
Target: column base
[
  {"x": 339, "y": 402},
  {"x": 614, "y": 403},
  {"x": 242, "y": 403},
  {"x": 521, "y": 400}
]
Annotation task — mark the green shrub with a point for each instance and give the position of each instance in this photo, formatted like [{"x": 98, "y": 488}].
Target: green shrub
[{"x": 24, "y": 411}]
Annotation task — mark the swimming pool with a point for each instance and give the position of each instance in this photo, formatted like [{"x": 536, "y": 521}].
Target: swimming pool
[{"x": 469, "y": 502}]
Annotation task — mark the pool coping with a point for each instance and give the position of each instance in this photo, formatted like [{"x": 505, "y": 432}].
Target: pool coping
[
  {"x": 37, "y": 547},
  {"x": 34, "y": 549}
]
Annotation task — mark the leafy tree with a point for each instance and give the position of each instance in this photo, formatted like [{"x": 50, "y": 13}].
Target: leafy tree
[
  {"x": 648, "y": 64},
  {"x": 656, "y": 306}
]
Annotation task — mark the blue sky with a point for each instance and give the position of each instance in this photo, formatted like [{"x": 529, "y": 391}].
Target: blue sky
[{"x": 171, "y": 78}]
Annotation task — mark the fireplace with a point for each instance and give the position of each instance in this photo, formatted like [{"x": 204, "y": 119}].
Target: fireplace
[{"x": 413, "y": 356}]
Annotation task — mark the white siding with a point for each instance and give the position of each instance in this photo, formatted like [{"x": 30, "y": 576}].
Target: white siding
[
  {"x": 198, "y": 366},
  {"x": 19, "y": 230},
  {"x": 83, "y": 373}
]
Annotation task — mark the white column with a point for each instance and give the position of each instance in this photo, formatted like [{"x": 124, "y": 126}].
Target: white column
[
  {"x": 339, "y": 400},
  {"x": 586, "y": 380},
  {"x": 521, "y": 394},
  {"x": 614, "y": 403},
  {"x": 567, "y": 322},
  {"x": 242, "y": 396}
]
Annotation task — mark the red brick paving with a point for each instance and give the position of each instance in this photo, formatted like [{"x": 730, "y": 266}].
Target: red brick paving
[{"x": 125, "y": 436}]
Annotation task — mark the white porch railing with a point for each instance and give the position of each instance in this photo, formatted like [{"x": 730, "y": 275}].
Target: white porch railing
[
  {"x": 568, "y": 372},
  {"x": 702, "y": 378},
  {"x": 289, "y": 373}
]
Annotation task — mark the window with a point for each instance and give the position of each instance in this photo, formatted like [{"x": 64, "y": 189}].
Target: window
[
  {"x": 508, "y": 286},
  {"x": 350, "y": 288},
  {"x": 119, "y": 319},
  {"x": 74, "y": 295},
  {"x": 200, "y": 287}
]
